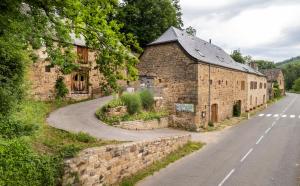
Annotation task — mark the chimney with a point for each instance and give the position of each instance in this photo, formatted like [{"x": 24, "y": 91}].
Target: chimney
[
  {"x": 253, "y": 65},
  {"x": 209, "y": 41}
]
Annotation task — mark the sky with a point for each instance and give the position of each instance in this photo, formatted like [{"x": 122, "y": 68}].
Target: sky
[{"x": 264, "y": 29}]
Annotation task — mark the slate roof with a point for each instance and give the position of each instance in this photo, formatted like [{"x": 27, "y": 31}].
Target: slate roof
[
  {"x": 272, "y": 74},
  {"x": 202, "y": 51}
]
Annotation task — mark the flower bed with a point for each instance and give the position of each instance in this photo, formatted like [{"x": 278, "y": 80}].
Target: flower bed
[{"x": 138, "y": 107}]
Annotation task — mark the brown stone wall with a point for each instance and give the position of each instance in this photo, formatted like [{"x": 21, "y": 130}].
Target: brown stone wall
[
  {"x": 183, "y": 80},
  {"x": 108, "y": 165},
  {"x": 226, "y": 89},
  {"x": 281, "y": 83},
  {"x": 175, "y": 75},
  {"x": 42, "y": 82},
  {"x": 256, "y": 97}
]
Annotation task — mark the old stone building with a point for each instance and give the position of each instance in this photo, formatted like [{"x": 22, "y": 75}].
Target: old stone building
[
  {"x": 275, "y": 77},
  {"x": 82, "y": 84},
  {"x": 197, "y": 80}
]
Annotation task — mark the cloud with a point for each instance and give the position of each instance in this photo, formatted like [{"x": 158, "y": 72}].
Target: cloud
[{"x": 266, "y": 29}]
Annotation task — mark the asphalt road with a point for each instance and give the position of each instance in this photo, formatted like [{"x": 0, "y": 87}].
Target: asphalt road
[{"x": 263, "y": 151}]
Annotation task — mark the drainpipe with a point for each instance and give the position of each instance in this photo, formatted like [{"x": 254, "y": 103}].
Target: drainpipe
[{"x": 209, "y": 94}]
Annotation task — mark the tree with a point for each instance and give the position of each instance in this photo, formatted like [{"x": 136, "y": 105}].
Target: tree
[
  {"x": 237, "y": 56},
  {"x": 30, "y": 24},
  {"x": 296, "y": 86},
  {"x": 190, "y": 30},
  {"x": 148, "y": 19},
  {"x": 263, "y": 64}
]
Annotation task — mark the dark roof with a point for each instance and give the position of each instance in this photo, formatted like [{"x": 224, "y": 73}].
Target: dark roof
[
  {"x": 272, "y": 74},
  {"x": 202, "y": 51}
]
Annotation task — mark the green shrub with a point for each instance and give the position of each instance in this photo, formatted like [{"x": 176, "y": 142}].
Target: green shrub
[
  {"x": 12, "y": 128},
  {"x": 132, "y": 102},
  {"x": 211, "y": 124},
  {"x": 19, "y": 165},
  {"x": 61, "y": 88},
  {"x": 84, "y": 137},
  {"x": 147, "y": 99},
  {"x": 237, "y": 110}
]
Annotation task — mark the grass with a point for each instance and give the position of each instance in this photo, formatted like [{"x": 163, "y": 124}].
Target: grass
[
  {"x": 144, "y": 115},
  {"x": 181, "y": 152},
  {"x": 236, "y": 120},
  {"x": 47, "y": 141}
]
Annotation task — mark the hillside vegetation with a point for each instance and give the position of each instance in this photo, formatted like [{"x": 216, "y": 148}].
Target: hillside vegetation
[{"x": 293, "y": 60}]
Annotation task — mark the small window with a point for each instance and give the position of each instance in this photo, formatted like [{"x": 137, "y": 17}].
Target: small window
[
  {"x": 48, "y": 68},
  {"x": 159, "y": 80},
  {"x": 82, "y": 78},
  {"x": 219, "y": 82},
  {"x": 226, "y": 82},
  {"x": 210, "y": 82}
]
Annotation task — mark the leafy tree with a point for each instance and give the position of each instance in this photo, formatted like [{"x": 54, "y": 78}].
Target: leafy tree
[
  {"x": 30, "y": 24},
  {"x": 237, "y": 56},
  {"x": 262, "y": 64},
  {"x": 148, "y": 19},
  {"x": 291, "y": 73},
  {"x": 190, "y": 30},
  {"x": 296, "y": 86}
]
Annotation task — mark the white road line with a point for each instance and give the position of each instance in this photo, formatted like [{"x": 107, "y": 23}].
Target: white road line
[
  {"x": 276, "y": 115},
  {"x": 269, "y": 115},
  {"x": 259, "y": 140},
  {"x": 263, "y": 115},
  {"x": 299, "y": 116},
  {"x": 274, "y": 123},
  {"x": 246, "y": 154},
  {"x": 284, "y": 116},
  {"x": 226, "y": 178},
  {"x": 268, "y": 130},
  {"x": 292, "y": 116}
]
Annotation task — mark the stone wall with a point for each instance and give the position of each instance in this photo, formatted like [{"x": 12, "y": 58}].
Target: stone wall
[
  {"x": 144, "y": 125},
  {"x": 42, "y": 82},
  {"x": 225, "y": 89},
  {"x": 109, "y": 164},
  {"x": 181, "y": 79},
  {"x": 175, "y": 75},
  {"x": 256, "y": 97}
]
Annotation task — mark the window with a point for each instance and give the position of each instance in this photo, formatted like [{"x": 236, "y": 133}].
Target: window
[
  {"x": 210, "y": 82},
  {"x": 265, "y": 85},
  {"x": 226, "y": 82},
  {"x": 83, "y": 54},
  {"x": 243, "y": 85},
  {"x": 260, "y": 85},
  {"x": 219, "y": 82}
]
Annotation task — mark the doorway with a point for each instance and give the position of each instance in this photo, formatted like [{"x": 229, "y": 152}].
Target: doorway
[
  {"x": 214, "y": 113},
  {"x": 80, "y": 83}
]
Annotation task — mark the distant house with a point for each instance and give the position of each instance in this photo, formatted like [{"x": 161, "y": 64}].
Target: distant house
[
  {"x": 82, "y": 84},
  {"x": 198, "y": 81},
  {"x": 274, "y": 76}
]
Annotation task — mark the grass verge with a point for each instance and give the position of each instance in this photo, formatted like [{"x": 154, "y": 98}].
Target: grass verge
[
  {"x": 181, "y": 152},
  {"x": 47, "y": 147}
]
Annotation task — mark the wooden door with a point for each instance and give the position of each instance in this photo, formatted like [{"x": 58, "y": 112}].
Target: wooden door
[
  {"x": 214, "y": 113},
  {"x": 79, "y": 84}
]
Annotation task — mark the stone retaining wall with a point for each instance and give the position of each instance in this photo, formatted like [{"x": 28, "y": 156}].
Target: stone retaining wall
[
  {"x": 109, "y": 164},
  {"x": 144, "y": 125}
]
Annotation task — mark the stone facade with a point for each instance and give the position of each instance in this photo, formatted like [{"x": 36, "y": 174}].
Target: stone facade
[
  {"x": 257, "y": 92},
  {"x": 42, "y": 78},
  {"x": 109, "y": 164},
  {"x": 210, "y": 91},
  {"x": 144, "y": 125},
  {"x": 274, "y": 75}
]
